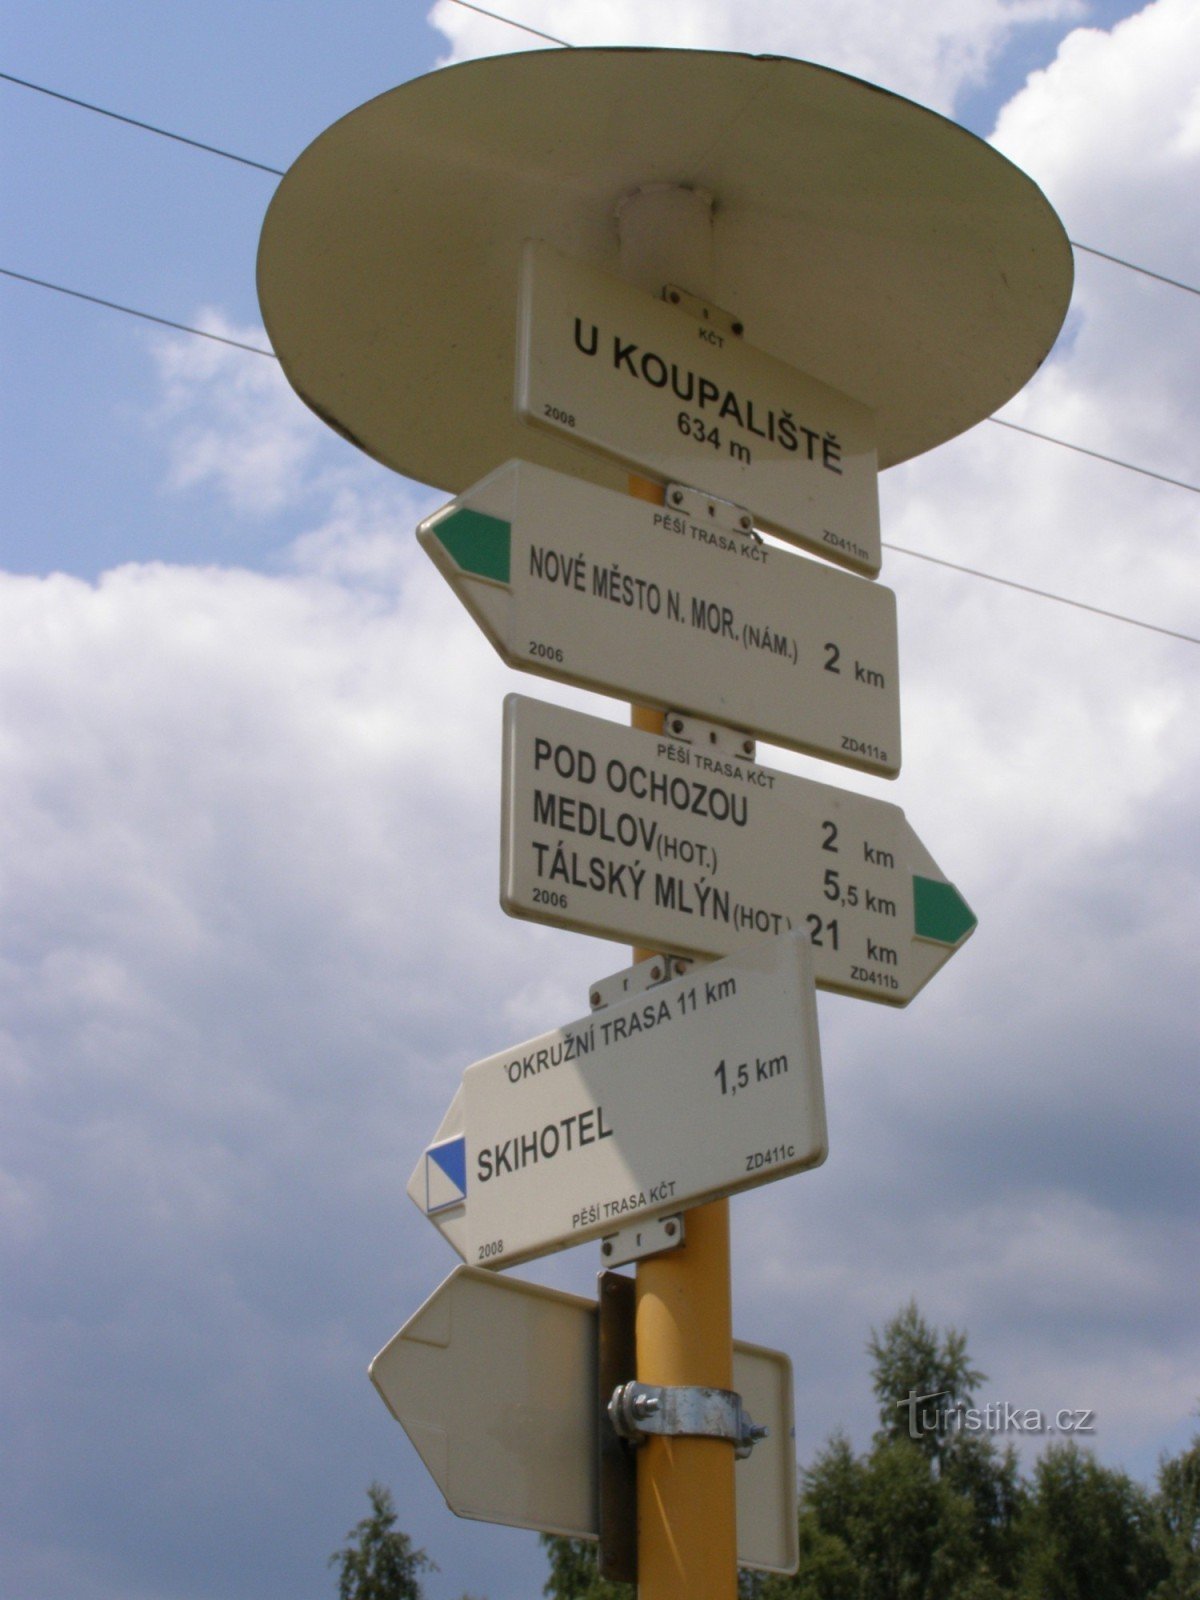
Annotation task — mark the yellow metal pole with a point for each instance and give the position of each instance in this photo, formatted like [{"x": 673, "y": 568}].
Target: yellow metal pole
[{"x": 687, "y": 1515}]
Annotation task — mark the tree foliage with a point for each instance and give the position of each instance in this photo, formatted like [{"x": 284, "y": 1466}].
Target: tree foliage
[
  {"x": 936, "y": 1511},
  {"x": 919, "y": 1378},
  {"x": 1089, "y": 1532},
  {"x": 575, "y": 1572},
  {"x": 379, "y": 1562},
  {"x": 1177, "y": 1509}
]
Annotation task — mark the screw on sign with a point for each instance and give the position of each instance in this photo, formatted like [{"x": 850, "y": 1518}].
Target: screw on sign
[{"x": 393, "y": 288}]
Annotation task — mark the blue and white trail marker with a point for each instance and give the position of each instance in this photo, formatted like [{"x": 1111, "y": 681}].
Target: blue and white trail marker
[{"x": 694, "y": 1088}]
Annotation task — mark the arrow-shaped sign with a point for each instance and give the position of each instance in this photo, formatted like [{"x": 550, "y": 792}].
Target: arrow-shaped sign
[
  {"x": 695, "y": 1088},
  {"x": 640, "y": 837},
  {"x": 495, "y": 1383},
  {"x": 677, "y": 608}
]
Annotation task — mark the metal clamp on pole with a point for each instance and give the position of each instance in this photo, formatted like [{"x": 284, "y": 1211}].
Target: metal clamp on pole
[{"x": 639, "y": 1408}]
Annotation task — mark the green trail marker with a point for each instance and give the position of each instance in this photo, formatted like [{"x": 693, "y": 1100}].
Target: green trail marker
[
  {"x": 679, "y": 606},
  {"x": 625, "y": 834}
]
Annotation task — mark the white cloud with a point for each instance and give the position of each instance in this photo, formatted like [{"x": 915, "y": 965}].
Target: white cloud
[
  {"x": 251, "y": 937},
  {"x": 229, "y": 420},
  {"x": 930, "y": 52},
  {"x": 1110, "y": 129}
]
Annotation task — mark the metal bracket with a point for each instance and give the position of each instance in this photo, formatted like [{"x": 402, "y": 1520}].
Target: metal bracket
[
  {"x": 702, "y": 507},
  {"x": 723, "y": 323},
  {"x": 616, "y": 1460},
  {"x": 642, "y": 1239},
  {"x": 636, "y": 980},
  {"x": 640, "y": 1408},
  {"x": 711, "y": 735}
]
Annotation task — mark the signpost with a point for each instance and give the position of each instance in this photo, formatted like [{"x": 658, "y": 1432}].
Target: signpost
[
  {"x": 758, "y": 280},
  {"x": 637, "y": 836},
  {"x": 666, "y": 390},
  {"x": 673, "y": 608},
  {"x": 695, "y": 1088},
  {"x": 494, "y": 1381}
]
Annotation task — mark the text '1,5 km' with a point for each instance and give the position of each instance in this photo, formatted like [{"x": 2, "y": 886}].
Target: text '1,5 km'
[
  {"x": 697, "y": 1087},
  {"x": 643, "y": 838}
]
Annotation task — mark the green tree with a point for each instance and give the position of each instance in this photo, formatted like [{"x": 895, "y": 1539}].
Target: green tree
[
  {"x": 378, "y": 1562},
  {"x": 1088, "y": 1532},
  {"x": 929, "y": 1513},
  {"x": 575, "y": 1572},
  {"x": 934, "y": 1511},
  {"x": 828, "y": 1571},
  {"x": 1177, "y": 1505},
  {"x": 920, "y": 1377}
]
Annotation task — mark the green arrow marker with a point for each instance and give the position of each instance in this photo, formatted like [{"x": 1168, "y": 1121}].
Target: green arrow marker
[
  {"x": 478, "y": 543},
  {"x": 939, "y": 912}
]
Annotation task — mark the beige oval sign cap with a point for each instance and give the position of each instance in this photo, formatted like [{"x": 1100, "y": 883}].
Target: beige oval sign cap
[{"x": 868, "y": 242}]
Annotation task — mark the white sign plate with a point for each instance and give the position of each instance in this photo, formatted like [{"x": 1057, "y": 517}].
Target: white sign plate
[
  {"x": 612, "y": 366},
  {"x": 694, "y": 1089},
  {"x": 639, "y": 837},
  {"x": 494, "y": 1381},
  {"x": 642, "y": 601}
]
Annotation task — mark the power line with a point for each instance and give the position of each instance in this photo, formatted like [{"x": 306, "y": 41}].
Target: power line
[
  {"x": 1132, "y": 266},
  {"x": 147, "y": 316},
  {"x": 524, "y": 27},
  {"x": 1044, "y": 594},
  {"x": 278, "y": 172},
  {"x": 1091, "y": 250},
  {"x": 146, "y": 127},
  {"x": 1096, "y": 455},
  {"x": 920, "y": 555},
  {"x": 132, "y": 311}
]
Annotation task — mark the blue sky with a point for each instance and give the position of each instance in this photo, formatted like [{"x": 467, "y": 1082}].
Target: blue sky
[{"x": 249, "y": 935}]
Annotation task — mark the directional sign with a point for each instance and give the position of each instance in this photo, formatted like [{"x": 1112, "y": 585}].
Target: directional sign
[
  {"x": 658, "y": 604},
  {"x": 695, "y": 1088},
  {"x": 494, "y": 1381},
  {"x": 639, "y": 837},
  {"x": 643, "y": 380}
]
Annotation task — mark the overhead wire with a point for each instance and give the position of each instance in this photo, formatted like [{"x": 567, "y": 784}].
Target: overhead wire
[
  {"x": 1044, "y": 594},
  {"x": 184, "y": 327},
  {"x": 132, "y": 311},
  {"x": 1132, "y": 266},
  {"x": 1096, "y": 455},
  {"x": 146, "y": 127},
  {"x": 229, "y": 155},
  {"x": 467, "y": 5},
  {"x": 238, "y": 344},
  {"x": 279, "y": 172},
  {"x": 920, "y": 555}
]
